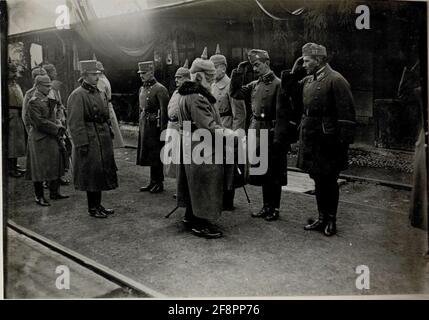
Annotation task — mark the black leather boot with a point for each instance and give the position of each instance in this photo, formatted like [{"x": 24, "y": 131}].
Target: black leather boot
[
  {"x": 148, "y": 187},
  {"x": 262, "y": 213},
  {"x": 273, "y": 214},
  {"x": 157, "y": 188},
  {"x": 317, "y": 225},
  {"x": 331, "y": 226}
]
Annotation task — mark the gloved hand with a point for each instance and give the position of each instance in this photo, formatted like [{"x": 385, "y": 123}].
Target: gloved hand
[{"x": 83, "y": 150}]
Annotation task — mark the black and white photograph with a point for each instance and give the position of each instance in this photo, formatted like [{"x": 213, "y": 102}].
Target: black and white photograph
[{"x": 214, "y": 149}]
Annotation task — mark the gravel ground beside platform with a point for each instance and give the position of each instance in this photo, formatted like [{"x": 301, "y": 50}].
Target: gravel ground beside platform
[{"x": 255, "y": 258}]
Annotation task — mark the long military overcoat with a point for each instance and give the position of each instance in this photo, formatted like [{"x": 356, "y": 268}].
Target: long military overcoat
[
  {"x": 264, "y": 95},
  {"x": 199, "y": 184},
  {"x": 327, "y": 125},
  {"x": 153, "y": 100},
  {"x": 45, "y": 158},
  {"x": 16, "y": 134},
  {"x": 88, "y": 123}
]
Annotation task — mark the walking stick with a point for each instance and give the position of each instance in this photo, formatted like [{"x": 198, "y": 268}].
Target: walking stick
[
  {"x": 245, "y": 191},
  {"x": 171, "y": 212}
]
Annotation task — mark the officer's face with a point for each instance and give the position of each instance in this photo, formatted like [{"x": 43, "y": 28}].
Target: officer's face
[
  {"x": 146, "y": 76},
  {"x": 53, "y": 74},
  {"x": 92, "y": 78},
  {"x": 220, "y": 71},
  {"x": 261, "y": 68},
  {"x": 310, "y": 64},
  {"x": 179, "y": 80}
]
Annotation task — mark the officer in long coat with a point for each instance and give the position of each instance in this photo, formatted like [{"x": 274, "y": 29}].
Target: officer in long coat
[
  {"x": 200, "y": 186},
  {"x": 171, "y": 158},
  {"x": 45, "y": 154},
  {"x": 326, "y": 131},
  {"x": 264, "y": 94},
  {"x": 16, "y": 134},
  {"x": 153, "y": 100},
  {"x": 94, "y": 167},
  {"x": 233, "y": 116}
]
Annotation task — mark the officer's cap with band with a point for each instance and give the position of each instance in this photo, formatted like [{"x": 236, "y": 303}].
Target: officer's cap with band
[
  {"x": 257, "y": 54},
  {"x": 313, "y": 49}
]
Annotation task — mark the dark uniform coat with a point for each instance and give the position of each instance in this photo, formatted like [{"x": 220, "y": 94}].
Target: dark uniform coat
[
  {"x": 327, "y": 125},
  {"x": 199, "y": 184},
  {"x": 153, "y": 100},
  {"x": 16, "y": 134},
  {"x": 45, "y": 156},
  {"x": 89, "y": 125},
  {"x": 267, "y": 113}
]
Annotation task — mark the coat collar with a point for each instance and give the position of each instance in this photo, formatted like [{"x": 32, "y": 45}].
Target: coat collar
[
  {"x": 149, "y": 83},
  {"x": 191, "y": 87},
  {"x": 222, "y": 83},
  {"x": 268, "y": 78},
  {"x": 323, "y": 72},
  {"x": 88, "y": 86}
]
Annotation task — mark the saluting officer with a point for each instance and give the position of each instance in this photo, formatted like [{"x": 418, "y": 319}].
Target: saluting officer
[
  {"x": 233, "y": 116},
  {"x": 327, "y": 129},
  {"x": 264, "y": 94},
  {"x": 153, "y": 99}
]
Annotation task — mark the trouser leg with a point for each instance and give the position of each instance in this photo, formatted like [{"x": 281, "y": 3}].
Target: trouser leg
[
  {"x": 157, "y": 173},
  {"x": 93, "y": 199},
  {"x": 38, "y": 189},
  {"x": 276, "y": 193},
  {"x": 228, "y": 198},
  {"x": 54, "y": 187},
  {"x": 266, "y": 194}
]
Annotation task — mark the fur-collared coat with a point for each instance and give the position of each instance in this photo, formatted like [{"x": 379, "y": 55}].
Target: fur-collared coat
[{"x": 200, "y": 185}]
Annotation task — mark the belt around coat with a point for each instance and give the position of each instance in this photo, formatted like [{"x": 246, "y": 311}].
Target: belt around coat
[
  {"x": 226, "y": 113},
  {"x": 260, "y": 118}
]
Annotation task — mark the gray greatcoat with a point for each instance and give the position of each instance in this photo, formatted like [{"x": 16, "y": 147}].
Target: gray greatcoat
[
  {"x": 89, "y": 126},
  {"x": 200, "y": 185},
  {"x": 45, "y": 157}
]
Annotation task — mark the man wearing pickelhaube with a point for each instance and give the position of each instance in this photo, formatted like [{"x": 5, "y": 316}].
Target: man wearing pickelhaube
[
  {"x": 200, "y": 185},
  {"x": 327, "y": 129},
  {"x": 182, "y": 75},
  {"x": 264, "y": 96},
  {"x": 233, "y": 116},
  {"x": 153, "y": 101},
  {"x": 94, "y": 166}
]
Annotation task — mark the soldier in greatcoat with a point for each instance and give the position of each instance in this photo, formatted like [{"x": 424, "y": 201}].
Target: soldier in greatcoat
[
  {"x": 326, "y": 131},
  {"x": 267, "y": 114},
  {"x": 200, "y": 186},
  {"x": 233, "y": 116},
  {"x": 153, "y": 101},
  {"x": 45, "y": 153},
  {"x": 16, "y": 134},
  {"x": 94, "y": 166}
]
